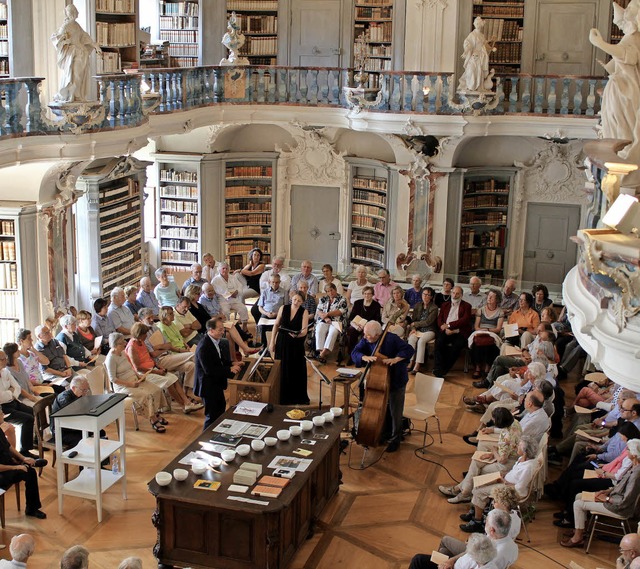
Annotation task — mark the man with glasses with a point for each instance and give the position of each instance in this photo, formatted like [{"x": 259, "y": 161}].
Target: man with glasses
[
  {"x": 79, "y": 387},
  {"x": 277, "y": 268},
  {"x": 58, "y": 370},
  {"x": 629, "y": 550},
  {"x": 305, "y": 274}
]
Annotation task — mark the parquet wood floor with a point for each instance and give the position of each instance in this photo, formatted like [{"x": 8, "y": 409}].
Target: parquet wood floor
[{"x": 380, "y": 517}]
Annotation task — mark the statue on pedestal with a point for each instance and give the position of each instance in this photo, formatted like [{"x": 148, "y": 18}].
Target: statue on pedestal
[
  {"x": 74, "y": 46},
  {"x": 620, "y": 111},
  {"x": 476, "y": 76},
  {"x": 233, "y": 40}
]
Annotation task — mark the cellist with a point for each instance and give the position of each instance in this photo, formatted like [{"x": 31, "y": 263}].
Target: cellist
[{"x": 397, "y": 355}]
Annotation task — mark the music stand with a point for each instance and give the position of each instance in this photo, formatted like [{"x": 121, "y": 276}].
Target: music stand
[{"x": 322, "y": 379}]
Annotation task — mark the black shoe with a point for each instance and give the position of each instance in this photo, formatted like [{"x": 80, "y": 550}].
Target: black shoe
[
  {"x": 29, "y": 454},
  {"x": 563, "y": 523},
  {"x": 40, "y": 462},
  {"x": 467, "y": 439},
  {"x": 560, "y": 515},
  {"x": 393, "y": 446},
  {"x": 467, "y": 517},
  {"x": 36, "y": 514},
  {"x": 474, "y": 526},
  {"x": 438, "y": 373},
  {"x": 482, "y": 384},
  {"x": 555, "y": 459}
]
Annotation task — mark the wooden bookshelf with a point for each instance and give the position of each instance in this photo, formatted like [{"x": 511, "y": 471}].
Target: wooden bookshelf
[
  {"x": 483, "y": 228},
  {"x": 9, "y": 302},
  {"x": 179, "y": 212},
  {"x": 248, "y": 209},
  {"x": 258, "y": 21},
  {"x": 180, "y": 26},
  {"x": 116, "y": 32},
  {"x": 369, "y": 194},
  {"x": 374, "y": 18},
  {"x": 503, "y": 26},
  {"x": 5, "y": 68}
]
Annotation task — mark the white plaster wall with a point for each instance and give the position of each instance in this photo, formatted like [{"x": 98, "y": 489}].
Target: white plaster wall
[{"x": 48, "y": 16}]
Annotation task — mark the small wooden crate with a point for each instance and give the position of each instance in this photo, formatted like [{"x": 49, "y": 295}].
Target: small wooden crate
[{"x": 267, "y": 391}]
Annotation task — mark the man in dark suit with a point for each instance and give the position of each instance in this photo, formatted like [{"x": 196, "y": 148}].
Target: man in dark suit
[
  {"x": 455, "y": 322},
  {"x": 213, "y": 368}
]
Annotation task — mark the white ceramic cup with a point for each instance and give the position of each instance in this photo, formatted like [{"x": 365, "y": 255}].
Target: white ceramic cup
[
  {"x": 180, "y": 474},
  {"x": 257, "y": 445},
  {"x": 319, "y": 420},
  {"x": 283, "y": 435},
  {"x": 270, "y": 441},
  {"x": 328, "y": 417},
  {"x": 295, "y": 430},
  {"x": 164, "y": 478},
  {"x": 306, "y": 425},
  {"x": 243, "y": 450},
  {"x": 228, "y": 455},
  {"x": 198, "y": 467},
  {"x": 337, "y": 411}
]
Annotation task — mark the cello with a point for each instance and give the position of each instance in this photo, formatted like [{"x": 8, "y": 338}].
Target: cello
[{"x": 374, "y": 406}]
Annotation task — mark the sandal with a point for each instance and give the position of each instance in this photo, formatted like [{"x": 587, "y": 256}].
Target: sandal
[{"x": 157, "y": 427}]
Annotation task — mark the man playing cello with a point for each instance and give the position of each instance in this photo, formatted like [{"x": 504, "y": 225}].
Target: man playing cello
[{"x": 397, "y": 354}]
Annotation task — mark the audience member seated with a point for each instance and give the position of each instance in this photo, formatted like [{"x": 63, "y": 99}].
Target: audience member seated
[
  {"x": 277, "y": 266},
  {"x": 413, "y": 295},
  {"x": 368, "y": 310},
  {"x": 629, "y": 552},
  {"x": 330, "y": 318},
  {"x": 445, "y": 295},
  {"x": 69, "y": 339},
  {"x": 79, "y": 387},
  {"x": 124, "y": 379},
  {"x": 195, "y": 278},
  {"x": 20, "y": 467},
  {"x": 454, "y": 323},
  {"x": 15, "y": 367},
  {"x": 187, "y": 323},
  {"x": 474, "y": 297},
  {"x": 229, "y": 290},
  {"x": 209, "y": 300},
  {"x": 519, "y": 477},
  {"x": 480, "y": 553},
  {"x": 131, "y": 563},
  {"x": 510, "y": 299},
  {"x": 423, "y": 327},
  {"x": 58, "y": 369},
  {"x": 309, "y": 301},
  {"x": 541, "y": 298},
  {"x": 86, "y": 333},
  {"x": 209, "y": 267},
  {"x": 34, "y": 361},
  {"x": 120, "y": 315},
  {"x": 395, "y": 312},
  {"x": 146, "y": 297},
  {"x": 328, "y": 277},
  {"x": 199, "y": 312},
  {"x": 143, "y": 363},
  {"x": 76, "y": 557},
  {"x": 166, "y": 291},
  {"x": 252, "y": 272},
  {"x": 102, "y": 323},
  {"x": 620, "y": 500},
  {"x": 526, "y": 318},
  {"x": 485, "y": 340},
  {"x": 498, "y": 458},
  {"x": 131, "y": 302},
  {"x": 21, "y": 548},
  {"x": 382, "y": 289},
  {"x": 355, "y": 288},
  {"x": 305, "y": 274},
  {"x": 178, "y": 360},
  {"x": 270, "y": 301},
  {"x": 573, "y": 353}
]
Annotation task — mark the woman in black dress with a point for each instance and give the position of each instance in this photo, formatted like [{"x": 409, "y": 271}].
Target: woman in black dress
[
  {"x": 252, "y": 271},
  {"x": 288, "y": 347}
]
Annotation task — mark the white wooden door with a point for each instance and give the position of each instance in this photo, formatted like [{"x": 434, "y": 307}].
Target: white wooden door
[
  {"x": 314, "y": 224},
  {"x": 562, "y": 38},
  {"x": 549, "y": 253},
  {"x": 315, "y": 33}
]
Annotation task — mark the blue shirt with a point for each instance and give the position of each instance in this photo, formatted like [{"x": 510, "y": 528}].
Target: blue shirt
[
  {"x": 211, "y": 305},
  {"x": 103, "y": 326},
  {"x": 413, "y": 296},
  {"x": 148, "y": 300},
  {"x": 271, "y": 299},
  {"x": 311, "y": 281},
  {"x": 392, "y": 347},
  {"x": 133, "y": 306}
]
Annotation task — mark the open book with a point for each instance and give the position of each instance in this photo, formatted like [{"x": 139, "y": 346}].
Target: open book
[
  {"x": 581, "y": 433},
  {"x": 358, "y": 322},
  {"x": 486, "y": 479},
  {"x": 512, "y": 351},
  {"x": 582, "y": 410},
  {"x": 437, "y": 557},
  {"x": 489, "y": 438},
  {"x": 510, "y": 330},
  {"x": 479, "y": 453}
]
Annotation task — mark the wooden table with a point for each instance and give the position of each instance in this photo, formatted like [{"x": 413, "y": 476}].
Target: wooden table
[{"x": 199, "y": 528}]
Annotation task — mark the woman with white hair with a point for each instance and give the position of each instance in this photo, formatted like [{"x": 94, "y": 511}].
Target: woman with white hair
[
  {"x": 71, "y": 343},
  {"x": 354, "y": 290},
  {"x": 125, "y": 379},
  {"x": 166, "y": 291},
  {"x": 620, "y": 500}
]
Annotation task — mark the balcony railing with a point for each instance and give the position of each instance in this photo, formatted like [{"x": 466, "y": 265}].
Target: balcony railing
[{"x": 182, "y": 89}]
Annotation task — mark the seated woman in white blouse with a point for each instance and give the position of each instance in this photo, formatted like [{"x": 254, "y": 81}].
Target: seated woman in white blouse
[
  {"x": 330, "y": 316},
  {"x": 354, "y": 290}
]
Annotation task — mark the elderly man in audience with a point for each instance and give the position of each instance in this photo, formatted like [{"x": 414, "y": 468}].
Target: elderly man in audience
[
  {"x": 510, "y": 299},
  {"x": 498, "y": 528},
  {"x": 229, "y": 291},
  {"x": 629, "y": 550},
  {"x": 71, "y": 343},
  {"x": 76, "y": 557},
  {"x": 21, "y": 548},
  {"x": 187, "y": 322},
  {"x": 305, "y": 274},
  {"x": 120, "y": 315},
  {"x": 209, "y": 299},
  {"x": 196, "y": 277},
  {"x": 79, "y": 387},
  {"x": 454, "y": 323},
  {"x": 413, "y": 295},
  {"x": 480, "y": 553},
  {"x": 58, "y": 370},
  {"x": 146, "y": 297},
  {"x": 131, "y": 302},
  {"x": 277, "y": 266},
  {"x": 131, "y": 563},
  {"x": 102, "y": 323},
  {"x": 382, "y": 289},
  {"x": 209, "y": 267},
  {"x": 309, "y": 304},
  {"x": 270, "y": 301},
  {"x": 474, "y": 297},
  {"x": 166, "y": 291}
]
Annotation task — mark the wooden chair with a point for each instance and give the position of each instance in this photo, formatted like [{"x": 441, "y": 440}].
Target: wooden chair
[
  {"x": 2, "y": 514},
  {"x": 43, "y": 427},
  {"x": 427, "y": 390}
]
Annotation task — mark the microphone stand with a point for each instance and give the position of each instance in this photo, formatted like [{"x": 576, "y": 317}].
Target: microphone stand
[{"x": 322, "y": 378}]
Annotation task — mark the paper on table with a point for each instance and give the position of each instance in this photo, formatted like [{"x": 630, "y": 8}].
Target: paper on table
[
  {"x": 587, "y": 436},
  {"x": 510, "y": 330},
  {"x": 437, "y": 557},
  {"x": 253, "y": 408},
  {"x": 97, "y": 342},
  {"x": 480, "y": 453},
  {"x": 590, "y": 474},
  {"x": 189, "y": 458},
  {"x": 290, "y": 463},
  {"x": 485, "y": 479},
  {"x": 582, "y": 410}
]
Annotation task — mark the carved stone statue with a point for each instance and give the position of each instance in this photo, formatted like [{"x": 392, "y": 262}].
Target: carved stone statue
[
  {"x": 74, "y": 46},
  {"x": 476, "y": 76},
  {"x": 621, "y": 97},
  {"x": 233, "y": 40}
]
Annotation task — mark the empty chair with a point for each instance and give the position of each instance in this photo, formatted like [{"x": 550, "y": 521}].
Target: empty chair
[{"x": 427, "y": 390}]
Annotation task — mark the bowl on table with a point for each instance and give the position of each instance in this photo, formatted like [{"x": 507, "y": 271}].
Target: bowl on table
[
  {"x": 198, "y": 467},
  {"x": 328, "y": 417},
  {"x": 243, "y": 450},
  {"x": 270, "y": 441},
  {"x": 337, "y": 411},
  {"x": 306, "y": 425},
  {"x": 164, "y": 478},
  {"x": 318, "y": 420},
  {"x": 257, "y": 445},
  {"x": 228, "y": 455},
  {"x": 283, "y": 434},
  {"x": 295, "y": 430},
  {"x": 180, "y": 474}
]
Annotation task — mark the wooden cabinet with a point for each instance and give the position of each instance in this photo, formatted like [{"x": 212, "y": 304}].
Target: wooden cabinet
[
  {"x": 116, "y": 31},
  {"x": 369, "y": 207},
  {"x": 258, "y": 21},
  {"x": 180, "y": 26}
]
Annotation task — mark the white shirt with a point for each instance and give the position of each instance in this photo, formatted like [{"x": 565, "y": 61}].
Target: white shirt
[
  {"x": 208, "y": 273},
  {"x": 507, "y": 552},
  {"x": 226, "y": 288},
  {"x": 5, "y": 563},
  {"x": 535, "y": 424},
  {"x": 521, "y": 474},
  {"x": 9, "y": 387},
  {"x": 453, "y": 312},
  {"x": 285, "y": 280},
  {"x": 516, "y": 524}
]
